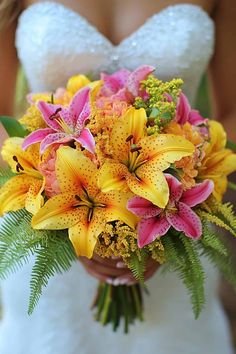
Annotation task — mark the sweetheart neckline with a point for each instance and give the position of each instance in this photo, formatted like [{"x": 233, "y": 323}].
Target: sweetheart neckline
[{"x": 157, "y": 14}]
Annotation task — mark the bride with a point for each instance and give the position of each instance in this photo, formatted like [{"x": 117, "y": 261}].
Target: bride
[{"x": 56, "y": 39}]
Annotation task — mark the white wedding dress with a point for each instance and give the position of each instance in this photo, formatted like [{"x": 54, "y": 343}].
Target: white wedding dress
[{"x": 54, "y": 43}]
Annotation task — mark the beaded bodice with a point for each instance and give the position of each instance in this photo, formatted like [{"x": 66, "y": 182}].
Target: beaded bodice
[{"x": 54, "y": 42}]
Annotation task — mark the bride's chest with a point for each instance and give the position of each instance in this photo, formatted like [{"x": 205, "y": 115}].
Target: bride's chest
[
  {"x": 55, "y": 42},
  {"x": 117, "y": 19}
]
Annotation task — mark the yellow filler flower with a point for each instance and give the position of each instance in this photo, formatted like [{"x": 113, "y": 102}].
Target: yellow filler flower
[
  {"x": 218, "y": 162},
  {"x": 25, "y": 189},
  {"x": 81, "y": 206},
  {"x": 138, "y": 160}
]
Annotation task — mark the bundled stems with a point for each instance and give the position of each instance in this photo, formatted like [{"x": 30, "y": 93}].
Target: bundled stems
[{"x": 115, "y": 303}]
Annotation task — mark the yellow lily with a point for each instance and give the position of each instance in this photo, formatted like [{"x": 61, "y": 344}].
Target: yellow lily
[
  {"x": 218, "y": 162},
  {"x": 138, "y": 160},
  {"x": 75, "y": 83},
  {"x": 81, "y": 206},
  {"x": 23, "y": 190}
]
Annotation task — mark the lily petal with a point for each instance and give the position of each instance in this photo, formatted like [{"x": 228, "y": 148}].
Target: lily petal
[
  {"x": 197, "y": 194},
  {"x": 150, "y": 229},
  {"x": 36, "y": 137},
  {"x": 34, "y": 199},
  {"x": 217, "y": 137},
  {"x": 84, "y": 115},
  {"x": 220, "y": 187},
  {"x": 13, "y": 154},
  {"x": 220, "y": 163},
  {"x": 175, "y": 187},
  {"x": 78, "y": 103},
  {"x": 135, "y": 78},
  {"x": 185, "y": 220},
  {"x": 55, "y": 138},
  {"x": 151, "y": 184},
  {"x": 112, "y": 84},
  {"x": 165, "y": 149},
  {"x": 67, "y": 120},
  {"x": 183, "y": 109},
  {"x": 143, "y": 207},
  {"x": 50, "y": 112},
  {"x": 58, "y": 213},
  {"x": 112, "y": 177},
  {"x": 115, "y": 207},
  {"x": 195, "y": 118},
  {"x": 84, "y": 234},
  {"x": 86, "y": 139},
  {"x": 14, "y": 192},
  {"x": 75, "y": 171},
  {"x": 131, "y": 125}
]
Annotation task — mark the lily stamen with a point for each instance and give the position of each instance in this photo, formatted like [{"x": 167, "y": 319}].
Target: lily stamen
[
  {"x": 52, "y": 116},
  {"x": 90, "y": 214},
  {"x": 130, "y": 137},
  {"x": 18, "y": 165},
  {"x": 135, "y": 148}
]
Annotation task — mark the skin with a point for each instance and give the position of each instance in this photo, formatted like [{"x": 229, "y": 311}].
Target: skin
[{"x": 116, "y": 20}]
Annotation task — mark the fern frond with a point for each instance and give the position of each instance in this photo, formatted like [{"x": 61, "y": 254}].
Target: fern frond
[
  {"x": 174, "y": 254},
  {"x": 226, "y": 210},
  {"x": 211, "y": 240},
  {"x": 138, "y": 265},
  {"x": 17, "y": 241},
  {"x": 5, "y": 175},
  {"x": 223, "y": 262},
  {"x": 232, "y": 186},
  {"x": 194, "y": 276},
  {"x": 217, "y": 220},
  {"x": 182, "y": 255},
  {"x": 54, "y": 256}
]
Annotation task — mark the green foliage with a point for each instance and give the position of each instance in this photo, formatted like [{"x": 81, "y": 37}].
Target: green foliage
[
  {"x": 230, "y": 145},
  {"x": 217, "y": 220},
  {"x": 5, "y": 175},
  {"x": 182, "y": 256},
  {"x": 53, "y": 250},
  {"x": 137, "y": 265},
  {"x": 220, "y": 214},
  {"x": 232, "y": 186},
  {"x": 218, "y": 253},
  {"x": 17, "y": 241},
  {"x": 226, "y": 212},
  {"x": 13, "y": 127},
  {"x": 54, "y": 256},
  {"x": 211, "y": 240}
]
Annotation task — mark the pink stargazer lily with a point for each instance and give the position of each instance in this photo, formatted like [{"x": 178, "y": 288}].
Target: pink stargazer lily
[
  {"x": 65, "y": 124},
  {"x": 155, "y": 222},
  {"x": 123, "y": 84},
  {"x": 184, "y": 112}
]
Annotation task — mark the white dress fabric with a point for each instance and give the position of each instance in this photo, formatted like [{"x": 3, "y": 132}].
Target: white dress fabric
[{"x": 54, "y": 43}]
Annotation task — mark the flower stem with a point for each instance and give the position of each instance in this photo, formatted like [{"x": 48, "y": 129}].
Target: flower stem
[{"x": 113, "y": 303}]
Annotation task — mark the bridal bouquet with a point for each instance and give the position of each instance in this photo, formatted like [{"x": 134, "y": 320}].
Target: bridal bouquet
[{"x": 119, "y": 167}]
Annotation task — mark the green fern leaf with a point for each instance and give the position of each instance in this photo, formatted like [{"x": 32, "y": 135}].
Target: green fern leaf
[
  {"x": 226, "y": 210},
  {"x": 17, "y": 241},
  {"x": 194, "y": 275},
  {"x": 5, "y": 175},
  {"x": 223, "y": 262},
  {"x": 182, "y": 257},
  {"x": 54, "y": 256},
  {"x": 138, "y": 265},
  {"x": 212, "y": 240},
  {"x": 217, "y": 220}
]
